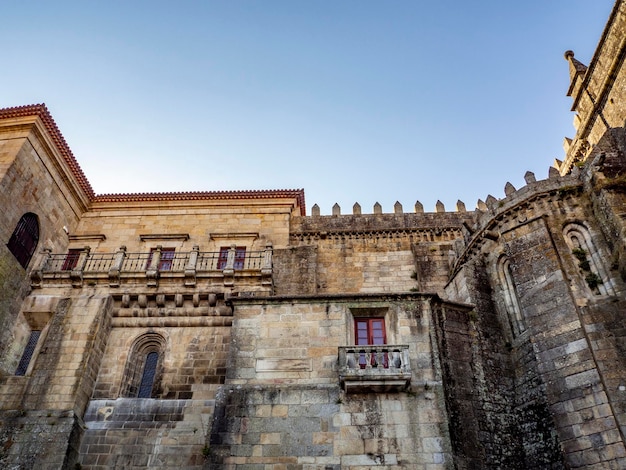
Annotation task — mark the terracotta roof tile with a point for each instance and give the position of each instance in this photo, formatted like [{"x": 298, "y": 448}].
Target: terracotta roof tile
[
  {"x": 41, "y": 111},
  {"x": 298, "y": 194}
]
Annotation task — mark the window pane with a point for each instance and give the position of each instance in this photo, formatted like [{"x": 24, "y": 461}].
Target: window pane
[
  {"x": 167, "y": 255},
  {"x": 165, "y": 261},
  {"x": 71, "y": 260},
  {"x": 240, "y": 257},
  {"x": 149, "y": 372},
  {"x": 221, "y": 261},
  {"x": 370, "y": 331}
]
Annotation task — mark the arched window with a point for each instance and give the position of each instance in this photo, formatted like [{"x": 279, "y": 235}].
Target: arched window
[
  {"x": 143, "y": 372},
  {"x": 511, "y": 301},
  {"x": 25, "y": 237},
  {"x": 148, "y": 375},
  {"x": 590, "y": 261}
]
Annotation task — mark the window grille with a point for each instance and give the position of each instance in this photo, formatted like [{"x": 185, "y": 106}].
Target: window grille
[
  {"x": 24, "y": 239},
  {"x": 28, "y": 352}
]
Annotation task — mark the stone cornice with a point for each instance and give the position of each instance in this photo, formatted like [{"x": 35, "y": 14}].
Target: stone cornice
[{"x": 297, "y": 194}]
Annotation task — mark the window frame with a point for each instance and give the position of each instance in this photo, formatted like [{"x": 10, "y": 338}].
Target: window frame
[
  {"x": 134, "y": 371},
  {"x": 370, "y": 337},
  {"x": 369, "y": 323},
  {"x": 166, "y": 260},
  {"x": 240, "y": 257},
  {"x": 71, "y": 259},
  {"x": 25, "y": 238}
]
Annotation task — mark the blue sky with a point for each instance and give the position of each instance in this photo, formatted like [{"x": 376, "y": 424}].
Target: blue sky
[{"x": 354, "y": 101}]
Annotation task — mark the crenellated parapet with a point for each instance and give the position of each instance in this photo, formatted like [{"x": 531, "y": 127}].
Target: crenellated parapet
[
  {"x": 420, "y": 227},
  {"x": 377, "y": 208},
  {"x": 519, "y": 206}
]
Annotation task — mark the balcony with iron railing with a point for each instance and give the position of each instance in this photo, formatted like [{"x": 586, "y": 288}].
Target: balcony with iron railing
[
  {"x": 381, "y": 368},
  {"x": 80, "y": 266}
]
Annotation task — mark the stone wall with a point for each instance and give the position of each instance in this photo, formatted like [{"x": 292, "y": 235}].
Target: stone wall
[
  {"x": 283, "y": 403},
  {"x": 195, "y": 349},
  {"x": 567, "y": 367},
  {"x": 215, "y": 224},
  {"x": 27, "y": 185},
  {"x": 497, "y": 408},
  {"x": 374, "y": 253},
  {"x": 145, "y": 433},
  {"x": 42, "y": 416}
]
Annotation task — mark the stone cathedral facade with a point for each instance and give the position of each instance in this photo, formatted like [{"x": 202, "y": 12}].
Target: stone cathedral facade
[{"x": 230, "y": 330}]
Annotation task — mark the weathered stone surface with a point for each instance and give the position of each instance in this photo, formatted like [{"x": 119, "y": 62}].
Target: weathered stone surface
[{"x": 231, "y": 331}]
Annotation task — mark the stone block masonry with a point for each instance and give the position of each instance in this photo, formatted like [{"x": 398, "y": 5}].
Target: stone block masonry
[
  {"x": 227, "y": 330},
  {"x": 308, "y": 427}
]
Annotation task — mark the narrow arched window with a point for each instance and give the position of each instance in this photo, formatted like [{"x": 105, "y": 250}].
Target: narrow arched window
[
  {"x": 149, "y": 373},
  {"x": 142, "y": 375},
  {"x": 511, "y": 301},
  {"x": 591, "y": 263},
  {"x": 24, "y": 239}
]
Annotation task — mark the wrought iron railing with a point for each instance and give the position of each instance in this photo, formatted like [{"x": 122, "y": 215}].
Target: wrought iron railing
[
  {"x": 79, "y": 263},
  {"x": 99, "y": 262}
]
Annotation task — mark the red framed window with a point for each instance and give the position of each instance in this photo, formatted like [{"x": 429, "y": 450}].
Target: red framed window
[
  {"x": 240, "y": 257},
  {"x": 370, "y": 332},
  {"x": 166, "y": 260},
  {"x": 71, "y": 259},
  {"x": 24, "y": 239}
]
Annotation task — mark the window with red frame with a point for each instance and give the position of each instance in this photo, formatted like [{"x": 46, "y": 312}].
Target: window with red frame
[
  {"x": 240, "y": 257},
  {"x": 71, "y": 259},
  {"x": 369, "y": 332},
  {"x": 167, "y": 257}
]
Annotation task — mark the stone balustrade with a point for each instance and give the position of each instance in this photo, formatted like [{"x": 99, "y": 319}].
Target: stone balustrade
[
  {"x": 381, "y": 368},
  {"x": 79, "y": 265}
]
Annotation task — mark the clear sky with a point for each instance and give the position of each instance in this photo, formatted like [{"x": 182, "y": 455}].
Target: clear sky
[{"x": 354, "y": 101}]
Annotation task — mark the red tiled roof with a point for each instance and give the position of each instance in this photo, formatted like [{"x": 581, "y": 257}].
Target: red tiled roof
[
  {"x": 206, "y": 195},
  {"x": 41, "y": 111}
]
